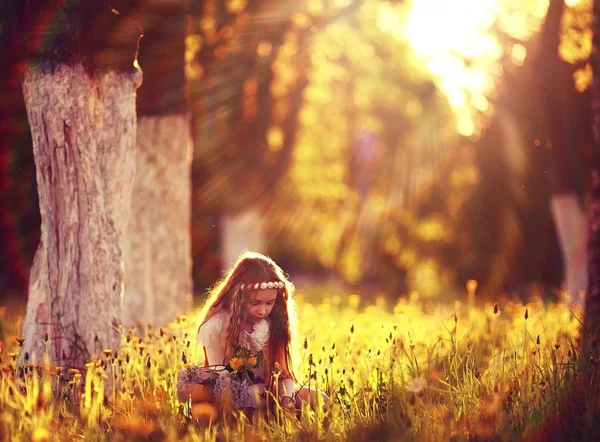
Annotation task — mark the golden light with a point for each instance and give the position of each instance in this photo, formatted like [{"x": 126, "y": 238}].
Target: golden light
[
  {"x": 465, "y": 52},
  {"x": 275, "y": 138},
  {"x": 471, "y": 286},
  {"x": 518, "y": 54},
  {"x": 264, "y": 49},
  {"x": 235, "y": 6},
  {"x": 301, "y": 20}
]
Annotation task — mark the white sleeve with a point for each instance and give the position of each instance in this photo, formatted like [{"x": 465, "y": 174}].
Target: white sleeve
[
  {"x": 210, "y": 336},
  {"x": 286, "y": 388}
]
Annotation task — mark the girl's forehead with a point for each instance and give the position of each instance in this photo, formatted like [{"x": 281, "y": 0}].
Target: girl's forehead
[{"x": 265, "y": 295}]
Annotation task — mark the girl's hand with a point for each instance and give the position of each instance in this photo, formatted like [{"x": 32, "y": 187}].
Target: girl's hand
[{"x": 288, "y": 403}]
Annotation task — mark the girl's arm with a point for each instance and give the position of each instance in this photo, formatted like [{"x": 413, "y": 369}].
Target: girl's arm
[
  {"x": 214, "y": 352},
  {"x": 209, "y": 336}
]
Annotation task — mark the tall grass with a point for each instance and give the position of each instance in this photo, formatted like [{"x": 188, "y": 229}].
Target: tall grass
[{"x": 452, "y": 372}]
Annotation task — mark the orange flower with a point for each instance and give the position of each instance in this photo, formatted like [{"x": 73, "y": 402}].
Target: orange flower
[
  {"x": 252, "y": 361},
  {"x": 236, "y": 363}
]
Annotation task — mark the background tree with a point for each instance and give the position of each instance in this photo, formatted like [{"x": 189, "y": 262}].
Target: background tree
[
  {"x": 80, "y": 96},
  {"x": 563, "y": 133},
  {"x": 592, "y": 304},
  {"x": 158, "y": 280}
]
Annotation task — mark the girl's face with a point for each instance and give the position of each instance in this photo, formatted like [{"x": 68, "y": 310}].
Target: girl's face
[{"x": 262, "y": 304}]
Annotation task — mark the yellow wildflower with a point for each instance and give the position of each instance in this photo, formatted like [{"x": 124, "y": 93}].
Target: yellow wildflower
[
  {"x": 236, "y": 363},
  {"x": 40, "y": 434}
]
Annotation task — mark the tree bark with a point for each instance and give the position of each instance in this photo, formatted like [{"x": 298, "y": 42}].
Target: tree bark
[
  {"x": 158, "y": 283},
  {"x": 158, "y": 280},
  {"x": 592, "y": 302},
  {"x": 570, "y": 223},
  {"x": 83, "y": 131},
  {"x": 563, "y": 143},
  {"x": 239, "y": 232}
]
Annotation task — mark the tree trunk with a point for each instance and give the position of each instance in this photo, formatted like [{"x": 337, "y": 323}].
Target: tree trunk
[
  {"x": 158, "y": 282},
  {"x": 241, "y": 231},
  {"x": 83, "y": 131},
  {"x": 563, "y": 143},
  {"x": 592, "y": 301},
  {"x": 570, "y": 221}
]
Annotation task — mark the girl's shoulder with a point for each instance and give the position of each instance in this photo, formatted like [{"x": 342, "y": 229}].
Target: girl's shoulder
[{"x": 216, "y": 324}]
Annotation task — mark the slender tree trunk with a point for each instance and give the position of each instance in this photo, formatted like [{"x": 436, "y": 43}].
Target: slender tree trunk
[
  {"x": 241, "y": 231},
  {"x": 158, "y": 282},
  {"x": 563, "y": 143},
  {"x": 590, "y": 355},
  {"x": 83, "y": 130},
  {"x": 571, "y": 226},
  {"x": 592, "y": 304}
]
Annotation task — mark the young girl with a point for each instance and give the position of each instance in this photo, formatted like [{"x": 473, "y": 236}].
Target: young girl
[{"x": 253, "y": 308}]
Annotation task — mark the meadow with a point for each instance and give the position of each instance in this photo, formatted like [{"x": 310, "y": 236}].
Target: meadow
[{"x": 409, "y": 371}]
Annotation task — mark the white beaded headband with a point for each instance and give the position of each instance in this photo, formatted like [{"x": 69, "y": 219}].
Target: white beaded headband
[{"x": 264, "y": 285}]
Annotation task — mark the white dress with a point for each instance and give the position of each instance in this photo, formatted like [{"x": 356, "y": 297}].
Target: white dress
[{"x": 212, "y": 335}]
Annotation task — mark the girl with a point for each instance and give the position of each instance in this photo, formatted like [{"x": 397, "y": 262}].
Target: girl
[{"x": 252, "y": 309}]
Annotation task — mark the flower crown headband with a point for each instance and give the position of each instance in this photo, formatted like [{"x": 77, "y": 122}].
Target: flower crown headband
[{"x": 264, "y": 285}]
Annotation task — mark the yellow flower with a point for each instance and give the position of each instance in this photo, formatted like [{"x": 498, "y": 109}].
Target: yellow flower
[
  {"x": 236, "y": 363},
  {"x": 40, "y": 434},
  {"x": 252, "y": 361}
]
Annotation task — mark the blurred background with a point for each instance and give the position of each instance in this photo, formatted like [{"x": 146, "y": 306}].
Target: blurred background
[{"x": 378, "y": 147}]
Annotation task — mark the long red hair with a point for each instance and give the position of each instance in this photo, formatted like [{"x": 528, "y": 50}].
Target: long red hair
[{"x": 228, "y": 296}]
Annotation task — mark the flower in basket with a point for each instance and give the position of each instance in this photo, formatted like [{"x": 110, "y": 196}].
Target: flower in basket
[
  {"x": 192, "y": 375},
  {"x": 235, "y": 384}
]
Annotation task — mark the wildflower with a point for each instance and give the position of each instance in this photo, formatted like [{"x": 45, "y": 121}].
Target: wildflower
[
  {"x": 236, "y": 363},
  {"x": 13, "y": 355},
  {"x": 107, "y": 352},
  {"x": 20, "y": 341},
  {"x": 40, "y": 434},
  {"x": 416, "y": 385},
  {"x": 252, "y": 361}
]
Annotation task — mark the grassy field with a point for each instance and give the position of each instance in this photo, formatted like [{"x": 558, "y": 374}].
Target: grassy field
[{"x": 404, "y": 372}]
